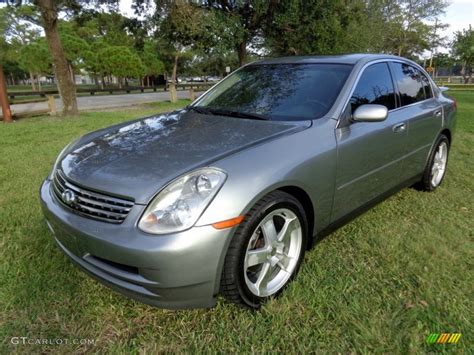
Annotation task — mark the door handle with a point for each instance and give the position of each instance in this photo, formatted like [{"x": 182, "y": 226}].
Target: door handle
[
  {"x": 437, "y": 113},
  {"x": 399, "y": 128}
]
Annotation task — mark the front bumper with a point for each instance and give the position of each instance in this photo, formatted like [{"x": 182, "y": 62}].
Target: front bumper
[{"x": 179, "y": 270}]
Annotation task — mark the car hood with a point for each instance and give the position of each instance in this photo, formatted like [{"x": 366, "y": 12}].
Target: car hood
[{"x": 138, "y": 158}]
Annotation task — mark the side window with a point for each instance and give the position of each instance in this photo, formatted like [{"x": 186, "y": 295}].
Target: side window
[
  {"x": 375, "y": 86},
  {"x": 410, "y": 83},
  {"x": 426, "y": 86}
]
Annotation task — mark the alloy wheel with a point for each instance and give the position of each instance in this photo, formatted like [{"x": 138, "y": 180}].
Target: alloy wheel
[
  {"x": 439, "y": 164},
  {"x": 272, "y": 252}
]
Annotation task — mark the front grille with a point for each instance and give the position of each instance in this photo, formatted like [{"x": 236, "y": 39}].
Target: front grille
[{"x": 90, "y": 204}]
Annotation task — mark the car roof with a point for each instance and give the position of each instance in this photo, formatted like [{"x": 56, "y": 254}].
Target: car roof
[{"x": 333, "y": 59}]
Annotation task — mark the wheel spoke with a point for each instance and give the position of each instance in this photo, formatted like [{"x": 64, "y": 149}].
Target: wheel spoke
[
  {"x": 290, "y": 225},
  {"x": 263, "y": 278},
  {"x": 284, "y": 262},
  {"x": 273, "y": 251},
  {"x": 269, "y": 232},
  {"x": 256, "y": 257}
]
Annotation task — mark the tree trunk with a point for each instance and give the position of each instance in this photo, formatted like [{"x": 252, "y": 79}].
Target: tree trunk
[
  {"x": 148, "y": 80},
  {"x": 175, "y": 68},
  {"x": 67, "y": 90},
  {"x": 7, "y": 114},
  {"x": 464, "y": 73},
  {"x": 32, "y": 79},
  {"x": 242, "y": 52},
  {"x": 71, "y": 71}
]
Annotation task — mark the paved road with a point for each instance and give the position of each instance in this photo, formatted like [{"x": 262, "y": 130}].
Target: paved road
[{"x": 99, "y": 102}]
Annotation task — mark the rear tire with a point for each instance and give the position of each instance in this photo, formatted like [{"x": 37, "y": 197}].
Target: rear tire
[
  {"x": 266, "y": 251},
  {"x": 436, "y": 168}
]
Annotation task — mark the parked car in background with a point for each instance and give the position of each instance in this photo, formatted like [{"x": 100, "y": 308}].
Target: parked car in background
[
  {"x": 213, "y": 78},
  {"x": 227, "y": 194}
]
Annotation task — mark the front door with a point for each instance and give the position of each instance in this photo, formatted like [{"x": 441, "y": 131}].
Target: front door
[{"x": 370, "y": 154}]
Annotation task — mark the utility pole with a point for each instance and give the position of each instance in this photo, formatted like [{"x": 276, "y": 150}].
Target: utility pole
[{"x": 7, "y": 114}]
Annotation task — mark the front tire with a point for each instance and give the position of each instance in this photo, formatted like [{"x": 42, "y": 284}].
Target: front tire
[
  {"x": 266, "y": 250},
  {"x": 437, "y": 163}
]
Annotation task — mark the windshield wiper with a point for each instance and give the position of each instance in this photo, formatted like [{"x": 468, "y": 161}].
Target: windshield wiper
[
  {"x": 222, "y": 112},
  {"x": 200, "y": 109},
  {"x": 254, "y": 116}
]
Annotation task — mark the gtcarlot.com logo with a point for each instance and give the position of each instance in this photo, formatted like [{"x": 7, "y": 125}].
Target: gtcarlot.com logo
[
  {"x": 55, "y": 341},
  {"x": 443, "y": 338}
]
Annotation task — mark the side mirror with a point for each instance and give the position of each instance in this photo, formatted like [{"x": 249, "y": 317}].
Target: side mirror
[{"x": 370, "y": 113}]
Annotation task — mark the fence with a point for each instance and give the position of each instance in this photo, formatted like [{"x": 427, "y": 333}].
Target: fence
[{"x": 92, "y": 91}]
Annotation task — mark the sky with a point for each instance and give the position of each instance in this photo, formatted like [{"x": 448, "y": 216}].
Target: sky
[{"x": 459, "y": 15}]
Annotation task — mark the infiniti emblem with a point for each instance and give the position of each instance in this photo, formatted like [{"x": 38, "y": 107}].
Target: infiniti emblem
[{"x": 69, "y": 197}]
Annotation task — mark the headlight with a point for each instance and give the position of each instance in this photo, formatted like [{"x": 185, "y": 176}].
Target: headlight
[
  {"x": 179, "y": 205},
  {"x": 60, "y": 156}
]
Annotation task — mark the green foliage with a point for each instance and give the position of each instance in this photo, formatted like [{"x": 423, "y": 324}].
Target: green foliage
[
  {"x": 187, "y": 27},
  {"x": 75, "y": 48},
  {"x": 35, "y": 57},
  {"x": 315, "y": 27},
  {"x": 326, "y": 27},
  {"x": 443, "y": 60},
  {"x": 463, "y": 50},
  {"x": 244, "y": 22},
  {"x": 120, "y": 61},
  {"x": 407, "y": 27},
  {"x": 150, "y": 59},
  {"x": 14, "y": 32}
]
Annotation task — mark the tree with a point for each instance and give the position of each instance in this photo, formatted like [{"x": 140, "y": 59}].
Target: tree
[
  {"x": 463, "y": 50},
  {"x": 403, "y": 27},
  {"x": 100, "y": 30},
  {"x": 407, "y": 27},
  {"x": 75, "y": 48},
  {"x": 121, "y": 62},
  {"x": 34, "y": 58},
  {"x": 316, "y": 27},
  {"x": 244, "y": 20},
  {"x": 184, "y": 28},
  {"x": 149, "y": 56},
  {"x": 49, "y": 20},
  {"x": 4, "y": 49},
  {"x": 20, "y": 34}
]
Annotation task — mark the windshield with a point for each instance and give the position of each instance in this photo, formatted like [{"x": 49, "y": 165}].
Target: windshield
[{"x": 278, "y": 91}]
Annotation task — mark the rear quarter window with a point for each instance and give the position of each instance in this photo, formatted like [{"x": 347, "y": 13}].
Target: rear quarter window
[
  {"x": 426, "y": 86},
  {"x": 410, "y": 83}
]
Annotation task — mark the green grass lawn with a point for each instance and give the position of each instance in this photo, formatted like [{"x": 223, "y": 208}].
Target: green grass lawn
[{"x": 381, "y": 283}]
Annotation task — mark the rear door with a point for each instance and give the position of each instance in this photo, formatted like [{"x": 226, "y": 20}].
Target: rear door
[
  {"x": 370, "y": 154},
  {"x": 423, "y": 111}
]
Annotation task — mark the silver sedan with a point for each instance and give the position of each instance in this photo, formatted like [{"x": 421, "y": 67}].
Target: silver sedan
[{"x": 227, "y": 194}]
